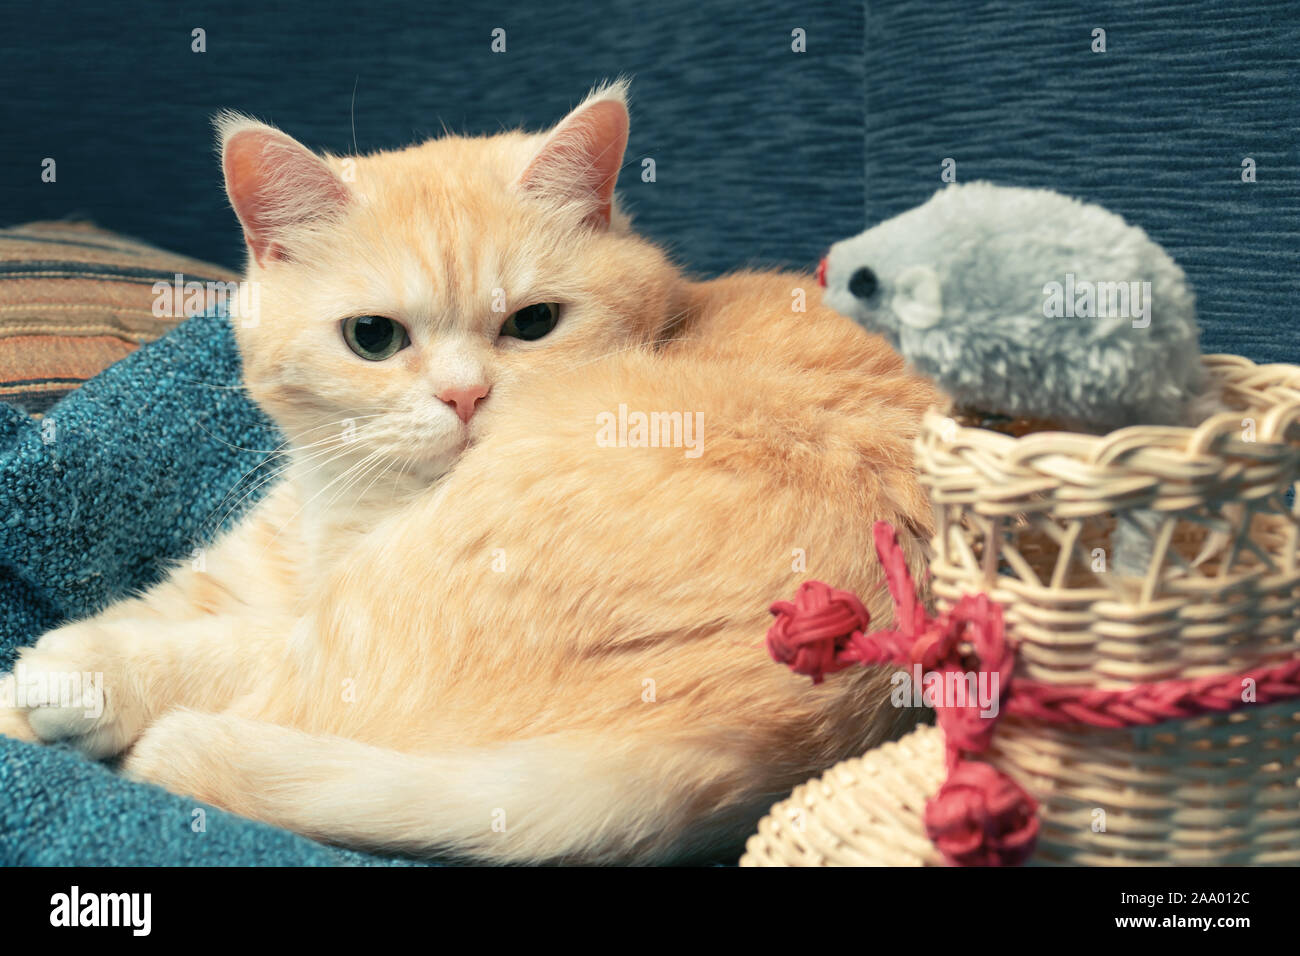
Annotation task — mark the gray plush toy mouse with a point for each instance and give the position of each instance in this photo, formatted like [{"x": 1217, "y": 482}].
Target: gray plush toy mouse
[{"x": 1029, "y": 304}]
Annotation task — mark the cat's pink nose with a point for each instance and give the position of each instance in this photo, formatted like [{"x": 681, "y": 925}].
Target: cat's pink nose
[{"x": 464, "y": 401}]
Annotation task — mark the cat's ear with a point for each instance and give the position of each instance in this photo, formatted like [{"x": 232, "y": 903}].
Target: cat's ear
[
  {"x": 274, "y": 183},
  {"x": 580, "y": 158}
]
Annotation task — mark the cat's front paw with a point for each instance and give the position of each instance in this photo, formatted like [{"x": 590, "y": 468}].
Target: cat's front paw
[{"x": 66, "y": 688}]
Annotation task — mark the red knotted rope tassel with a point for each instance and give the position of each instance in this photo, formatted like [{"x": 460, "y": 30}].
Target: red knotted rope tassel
[
  {"x": 979, "y": 816},
  {"x": 810, "y": 632}
]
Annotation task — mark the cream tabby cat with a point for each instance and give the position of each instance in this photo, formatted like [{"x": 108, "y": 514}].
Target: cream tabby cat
[{"x": 462, "y": 624}]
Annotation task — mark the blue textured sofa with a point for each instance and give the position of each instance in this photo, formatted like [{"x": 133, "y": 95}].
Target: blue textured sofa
[{"x": 763, "y": 155}]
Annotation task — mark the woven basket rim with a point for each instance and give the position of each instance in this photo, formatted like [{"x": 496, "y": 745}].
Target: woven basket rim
[{"x": 1146, "y": 448}]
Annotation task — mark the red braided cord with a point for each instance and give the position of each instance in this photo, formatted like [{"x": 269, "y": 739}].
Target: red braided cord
[{"x": 1146, "y": 704}]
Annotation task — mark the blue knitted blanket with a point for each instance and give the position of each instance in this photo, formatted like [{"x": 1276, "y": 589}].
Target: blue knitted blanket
[{"x": 137, "y": 467}]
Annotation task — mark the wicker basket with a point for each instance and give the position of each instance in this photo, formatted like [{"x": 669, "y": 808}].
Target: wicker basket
[{"x": 1033, "y": 521}]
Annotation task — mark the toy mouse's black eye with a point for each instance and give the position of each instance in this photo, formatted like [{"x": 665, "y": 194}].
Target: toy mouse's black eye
[{"x": 863, "y": 283}]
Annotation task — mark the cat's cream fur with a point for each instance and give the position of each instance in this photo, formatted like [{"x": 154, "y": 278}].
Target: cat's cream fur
[{"x": 502, "y": 639}]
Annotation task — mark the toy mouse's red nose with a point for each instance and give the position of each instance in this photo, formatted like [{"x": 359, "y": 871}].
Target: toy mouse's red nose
[{"x": 821, "y": 273}]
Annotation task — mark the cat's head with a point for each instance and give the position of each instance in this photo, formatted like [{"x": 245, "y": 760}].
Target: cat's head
[{"x": 400, "y": 294}]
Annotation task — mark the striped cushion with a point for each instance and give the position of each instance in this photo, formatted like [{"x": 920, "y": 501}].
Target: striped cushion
[{"x": 73, "y": 300}]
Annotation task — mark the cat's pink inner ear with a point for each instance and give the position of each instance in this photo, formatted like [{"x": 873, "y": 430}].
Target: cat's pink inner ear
[
  {"x": 581, "y": 158},
  {"x": 274, "y": 184}
]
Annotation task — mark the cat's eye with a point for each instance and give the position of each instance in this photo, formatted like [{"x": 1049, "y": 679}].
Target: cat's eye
[
  {"x": 375, "y": 337},
  {"x": 532, "y": 322}
]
